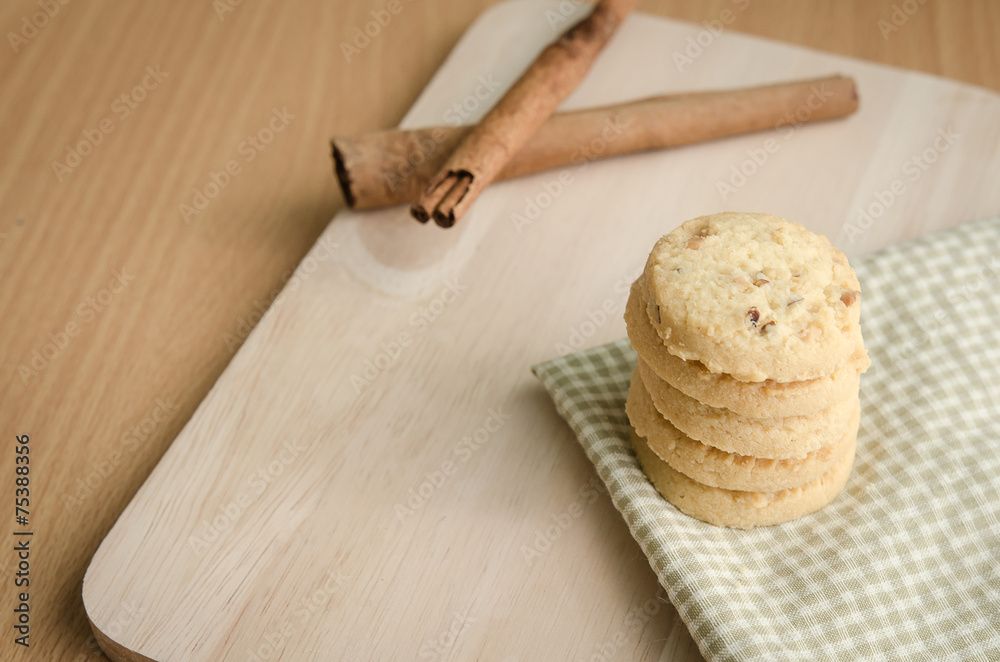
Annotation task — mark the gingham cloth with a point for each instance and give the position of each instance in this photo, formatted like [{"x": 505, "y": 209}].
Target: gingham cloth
[{"x": 905, "y": 563}]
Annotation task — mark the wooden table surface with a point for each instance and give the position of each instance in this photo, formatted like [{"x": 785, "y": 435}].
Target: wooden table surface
[{"x": 120, "y": 306}]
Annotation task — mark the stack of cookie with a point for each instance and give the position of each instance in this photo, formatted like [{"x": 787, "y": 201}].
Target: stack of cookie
[{"x": 744, "y": 403}]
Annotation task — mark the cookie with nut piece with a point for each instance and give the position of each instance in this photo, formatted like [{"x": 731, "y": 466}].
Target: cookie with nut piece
[
  {"x": 744, "y": 402},
  {"x": 756, "y": 297},
  {"x": 766, "y": 399}
]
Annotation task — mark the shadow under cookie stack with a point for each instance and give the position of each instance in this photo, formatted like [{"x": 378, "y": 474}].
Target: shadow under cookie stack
[{"x": 744, "y": 402}]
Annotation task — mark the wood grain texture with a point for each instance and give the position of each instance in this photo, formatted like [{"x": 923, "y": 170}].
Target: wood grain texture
[
  {"x": 105, "y": 407},
  {"x": 376, "y": 472}
]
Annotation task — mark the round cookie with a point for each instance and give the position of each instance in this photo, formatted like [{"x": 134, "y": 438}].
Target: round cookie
[
  {"x": 738, "y": 509},
  {"x": 767, "y": 399},
  {"x": 716, "y": 468},
  {"x": 772, "y": 438},
  {"x": 755, "y": 296}
]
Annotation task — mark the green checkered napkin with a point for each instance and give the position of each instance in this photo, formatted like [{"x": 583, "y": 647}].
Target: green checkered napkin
[{"x": 905, "y": 563}]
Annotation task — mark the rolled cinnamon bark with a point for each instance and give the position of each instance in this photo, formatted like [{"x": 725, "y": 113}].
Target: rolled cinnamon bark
[
  {"x": 484, "y": 152},
  {"x": 393, "y": 167}
]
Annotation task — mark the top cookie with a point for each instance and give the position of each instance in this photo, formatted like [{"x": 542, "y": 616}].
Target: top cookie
[{"x": 755, "y": 296}]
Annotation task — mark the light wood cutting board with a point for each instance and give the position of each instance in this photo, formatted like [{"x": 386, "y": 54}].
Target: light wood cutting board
[{"x": 377, "y": 475}]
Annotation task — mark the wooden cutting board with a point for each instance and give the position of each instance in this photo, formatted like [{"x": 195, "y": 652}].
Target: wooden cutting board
[{"x": 377, "y": 475}]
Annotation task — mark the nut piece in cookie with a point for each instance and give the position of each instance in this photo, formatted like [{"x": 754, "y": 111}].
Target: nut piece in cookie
[{"x": 755, "y": 296}]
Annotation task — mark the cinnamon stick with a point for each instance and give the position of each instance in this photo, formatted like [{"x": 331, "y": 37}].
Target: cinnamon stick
[
  {"x": 483, "y": 153},
  {"x": 392, "y": 167}
]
